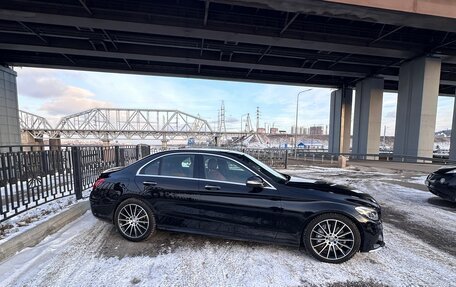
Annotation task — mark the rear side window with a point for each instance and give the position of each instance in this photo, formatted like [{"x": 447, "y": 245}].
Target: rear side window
[
  {"x": 171, "y": 165},
  {"x": 152, "y": 168},
  {"x": 177, "y": 165}
]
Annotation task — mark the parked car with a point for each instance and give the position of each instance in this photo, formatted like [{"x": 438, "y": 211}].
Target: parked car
[
  {"x": 235, "y": 196},
  {"x": 443, "y": 183}
]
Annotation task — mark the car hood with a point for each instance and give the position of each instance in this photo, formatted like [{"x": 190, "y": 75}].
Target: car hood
[
  {"x": 326, "y": 186},
  {"x": 445, "y": 169}
]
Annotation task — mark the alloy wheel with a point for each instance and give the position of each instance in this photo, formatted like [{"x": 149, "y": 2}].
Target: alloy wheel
[
  {"x": 332, "y": 239},
  {"x": 133, "y": 220}
]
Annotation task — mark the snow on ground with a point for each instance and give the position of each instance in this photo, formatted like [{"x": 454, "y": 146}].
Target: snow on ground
[
  {"x": 72, "y": 258},
  {"x": 412, "y": 203},
  {"x": 30, "y": 218},
  {"x": 418, "y": 179},
  {"x": 89, "y": 252}
]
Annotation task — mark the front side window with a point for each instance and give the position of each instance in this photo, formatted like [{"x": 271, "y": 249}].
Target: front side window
[
  {"x": 179, "y": 165},
  {"x": 264, "y": 168},
  {"x": 223, "y": 169}
]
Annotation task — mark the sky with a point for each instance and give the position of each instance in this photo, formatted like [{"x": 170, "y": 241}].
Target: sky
[{"x": 55, "y": 93}]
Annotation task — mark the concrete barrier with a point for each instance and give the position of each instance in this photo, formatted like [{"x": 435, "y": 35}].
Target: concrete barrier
[
  {"x": 342, "y": 161},
  {"x": 37, "y": 233}
]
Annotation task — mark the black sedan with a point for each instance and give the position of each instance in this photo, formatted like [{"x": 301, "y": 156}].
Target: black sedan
[
  {"x": 443, "y": 183},
  {"x": 235, "y": 196}
]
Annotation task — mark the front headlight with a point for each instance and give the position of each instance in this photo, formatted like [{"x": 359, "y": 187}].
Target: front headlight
[{"x": 368, "y": 212}]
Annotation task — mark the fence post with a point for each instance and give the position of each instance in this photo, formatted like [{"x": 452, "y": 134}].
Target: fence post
[
  {"x": 286, "y": 158},
  {"x": 138, "y": 151},
  {"x": 77, "y": 172},
  {"x": 117, "y": 155}
]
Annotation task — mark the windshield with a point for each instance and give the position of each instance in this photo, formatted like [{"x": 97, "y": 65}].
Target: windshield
[{"x": 263, "y": 168}]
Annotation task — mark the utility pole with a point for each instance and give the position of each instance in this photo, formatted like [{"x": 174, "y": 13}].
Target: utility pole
[
  {"x": 222, "y": 118},
  {"x": 257, "y": 119},
  {"x": 248, "y": 124},
  {"x": 242, "y": 123},
  {"x": 218, "y": 121}
]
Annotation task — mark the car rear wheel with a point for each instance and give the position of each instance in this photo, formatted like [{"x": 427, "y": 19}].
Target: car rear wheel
[
  {"x": 134, "y": 220},
  {"x": 332, "y": 238}
]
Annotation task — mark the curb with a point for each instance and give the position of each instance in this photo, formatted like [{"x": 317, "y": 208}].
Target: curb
[{"x": 37, "y": 233}]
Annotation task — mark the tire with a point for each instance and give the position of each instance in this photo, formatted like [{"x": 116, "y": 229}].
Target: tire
[
  {"x": 134, "y": 220},
  {"x": 332, "y": 238}
]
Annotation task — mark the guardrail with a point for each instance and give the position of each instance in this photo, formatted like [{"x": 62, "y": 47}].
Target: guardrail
[
  {"x": 281, "y": 157},
  {"x": 318, "y": 156},
  {"x": 33, "y": 175}
]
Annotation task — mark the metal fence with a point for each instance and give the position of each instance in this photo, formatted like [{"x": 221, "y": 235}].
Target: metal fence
[
  {"x": 271, "y": 156},
  {"x": 333, "y": 157},
  {"x": 283, "y": 157},
  {"x": 34, "y": 175}
]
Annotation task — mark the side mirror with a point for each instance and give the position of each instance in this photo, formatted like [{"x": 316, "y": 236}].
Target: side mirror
[{"x": 255, "y": 182}]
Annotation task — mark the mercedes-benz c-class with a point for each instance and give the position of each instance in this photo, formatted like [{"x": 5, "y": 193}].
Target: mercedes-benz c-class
[{"x": 233, "y": 195}]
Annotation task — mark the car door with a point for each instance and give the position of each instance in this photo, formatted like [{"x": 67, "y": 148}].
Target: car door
[
  {"x": 169, "y": 185},
  {"x": 228, "y": 206}
]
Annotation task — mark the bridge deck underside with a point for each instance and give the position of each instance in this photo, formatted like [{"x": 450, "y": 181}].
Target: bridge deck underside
[{"x": 216, "y": 40}]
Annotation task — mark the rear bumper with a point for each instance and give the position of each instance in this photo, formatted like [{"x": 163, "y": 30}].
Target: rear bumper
[
  {"x": 372, "y": 237},
  {"x": 103, "y": 211}
]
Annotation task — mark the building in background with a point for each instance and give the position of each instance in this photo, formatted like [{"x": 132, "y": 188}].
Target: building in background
[
  {"x": 316, "y": 130},
  {"x": 273, "y": 131}
]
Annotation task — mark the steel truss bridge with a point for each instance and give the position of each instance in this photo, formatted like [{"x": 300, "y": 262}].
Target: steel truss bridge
[{"x": 108, "y": 124}]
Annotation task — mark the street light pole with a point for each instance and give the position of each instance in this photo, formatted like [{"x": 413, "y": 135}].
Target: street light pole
[{"x": 296, "y": 123}]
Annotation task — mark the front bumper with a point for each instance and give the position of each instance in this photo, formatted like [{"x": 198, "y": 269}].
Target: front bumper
[
  {"x": 442, "y": 186},
  {"x": 372, "y": 234}
]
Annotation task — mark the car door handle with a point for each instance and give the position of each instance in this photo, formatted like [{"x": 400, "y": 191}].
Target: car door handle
[
  {"x": 212, "y": 187},
  {"x": 150, "y": 183}
]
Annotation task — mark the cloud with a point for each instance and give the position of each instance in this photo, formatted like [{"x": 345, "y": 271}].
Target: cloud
[
  {"x": 49, "y": 91},
  {"x": 40, "y": 83},
  {"x": 231, "y": 120},
  {"x": 152, "y": 92},
  {"x": 71, "y": 101}
]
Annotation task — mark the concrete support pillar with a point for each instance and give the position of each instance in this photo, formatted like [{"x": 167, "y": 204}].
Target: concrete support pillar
[
  {"x": 55, "y": 144},
  {"x": 453, "y": 135},
  {"x": 417, "y": 107},
  {"x": 340, "y": 121},
  {"x": 10, "y": 132},
  {"x": 164, "y": 143},
  {"x": 368, "y": 116},
  {"x": 28, "y": 139}
]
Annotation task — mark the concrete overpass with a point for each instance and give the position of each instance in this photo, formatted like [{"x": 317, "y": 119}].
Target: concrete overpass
[{"x": 370, "y": 46}]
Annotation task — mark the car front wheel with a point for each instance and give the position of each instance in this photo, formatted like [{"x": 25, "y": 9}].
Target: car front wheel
[
  {"x": 332, "y": 238},
  {"x": 134, "y": 220}
]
